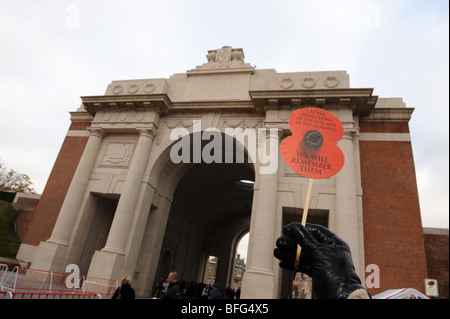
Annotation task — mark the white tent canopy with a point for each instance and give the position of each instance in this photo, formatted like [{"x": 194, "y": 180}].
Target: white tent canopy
[{"x": 404, "y": 293}]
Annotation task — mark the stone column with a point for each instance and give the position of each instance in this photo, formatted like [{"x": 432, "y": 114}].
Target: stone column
[
  {"x": 346, "y": 202},
  {"x": 109, "y": 262},
  {"x": 51, "y": 254},
  {"x": 69, "y": 210},
  {"x": 120, "y": 227},
  {"x": 259, "y": 278}
]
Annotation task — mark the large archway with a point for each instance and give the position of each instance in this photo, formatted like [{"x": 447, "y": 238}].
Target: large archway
[
  {"x": 207, "y": 212},
  {"x": 204, "y": 210}
]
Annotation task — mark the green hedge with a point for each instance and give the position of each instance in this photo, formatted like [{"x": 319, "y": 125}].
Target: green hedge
[{"x": 9, "y": 241}]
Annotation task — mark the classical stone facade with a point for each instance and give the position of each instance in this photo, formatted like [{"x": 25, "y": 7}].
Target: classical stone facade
[{"x": 148, "y": 179}]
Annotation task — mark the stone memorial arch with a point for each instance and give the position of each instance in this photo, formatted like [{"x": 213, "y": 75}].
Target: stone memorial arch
[{"x": 149, "y": 178}]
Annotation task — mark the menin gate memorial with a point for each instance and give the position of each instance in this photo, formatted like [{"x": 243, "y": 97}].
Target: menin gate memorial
[{"x": 117, "y": 202}]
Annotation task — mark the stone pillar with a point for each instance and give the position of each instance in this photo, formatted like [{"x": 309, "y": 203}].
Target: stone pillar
[
  {"x": 52, "y": 253},
  {"x": 118, "y": 234},
  {"x": 69, "y": 210},
  {"x": 346, "y": 201},
  {"x": 109, "y": 262},
  {"x": 259, "y": 278}
]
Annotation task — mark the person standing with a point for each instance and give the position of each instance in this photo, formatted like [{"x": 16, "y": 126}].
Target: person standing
[
  {"x": 174, "y": 289},
  {"x": 159, "y": 287},
  {"x": 215, "y": 293},
  {"x": 125, "y": 291}
]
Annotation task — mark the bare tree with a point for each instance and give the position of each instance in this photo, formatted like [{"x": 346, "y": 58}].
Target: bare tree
[{"x": 10, "y": 180}]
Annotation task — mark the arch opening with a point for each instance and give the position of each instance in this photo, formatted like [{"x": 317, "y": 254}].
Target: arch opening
[{"x": 205, "y": 214}]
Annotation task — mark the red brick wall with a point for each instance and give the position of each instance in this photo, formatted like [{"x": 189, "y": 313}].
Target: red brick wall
[
  {"x": 52, "y": 198},
  {"x": 393, "y": 234},
  {"x": 383, "y": 127},
  {"x": 436, "y": 247},
  {"x": 79, "y": 126}
]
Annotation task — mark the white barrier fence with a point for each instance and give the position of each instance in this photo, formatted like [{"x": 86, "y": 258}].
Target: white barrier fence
[
  {"x": 22, "y": 279},
  {"x": 48, "y": 295}
]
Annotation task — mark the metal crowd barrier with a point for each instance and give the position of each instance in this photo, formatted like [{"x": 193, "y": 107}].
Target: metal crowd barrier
[
  {"x": 47, "y": 295},
  {"x": 22, "y": 280}
]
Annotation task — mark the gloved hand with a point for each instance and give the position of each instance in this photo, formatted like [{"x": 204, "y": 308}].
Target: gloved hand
[{"x": 324, "y": 257}]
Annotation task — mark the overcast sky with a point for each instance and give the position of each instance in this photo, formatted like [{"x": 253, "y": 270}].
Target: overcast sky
[{"x": 53, "y": 52}]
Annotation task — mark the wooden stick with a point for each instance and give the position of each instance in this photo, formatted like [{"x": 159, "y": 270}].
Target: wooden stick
[{"x": 305, "y": 215}]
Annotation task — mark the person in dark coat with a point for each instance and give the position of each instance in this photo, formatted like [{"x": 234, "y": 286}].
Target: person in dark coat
[
  {"x": 174, "y": 289},
  {"x": 159, "y": 287},
  {"x": 125, "y": 291},
  {"x": 215, "y": 293}
]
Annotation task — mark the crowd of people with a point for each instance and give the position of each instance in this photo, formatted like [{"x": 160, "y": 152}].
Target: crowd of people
[
  {"x": 173, "y": 288},
  {"x": 324, "y": 257},
  {"x": 191, "y": 290}
]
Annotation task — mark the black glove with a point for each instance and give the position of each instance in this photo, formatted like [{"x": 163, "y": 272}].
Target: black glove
[{"x": 324, "y": 257}]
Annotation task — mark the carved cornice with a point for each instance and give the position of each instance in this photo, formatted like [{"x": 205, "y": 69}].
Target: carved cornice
[
  {"x": 213, "y": 105},
  {"x": 161, "y": 102},
  {"x": 389, "y": 115},
  {"x": 361, "y": 101}
]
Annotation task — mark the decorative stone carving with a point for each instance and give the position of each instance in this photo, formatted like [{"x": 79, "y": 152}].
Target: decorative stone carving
[
  {"x": 244, "y": 124},
  {"x": 284, "y": 114},
  {"x": 140, "y": 116},
  {"x": 117, "y": 154},
  {"x": 237, "y": 55},
  {"x": 331, "y": 82},
  {"x": 309, "y": 82},
  {"x": 223, "y": 60},
  {"x": 223, "y": 57},
  {"x": 241, "y": 123},
  {"x": 289, "y": 171},
  {"x": 149, "y": 88},
  {"x": 117, "y": 89},
  {"x": 171, "y": 124},
  {"x": 123, "y": 116},
  {"x": 286, "y": 83},
  {"x": 211, "y": 56},
  {"x": 133, "y": 88},
  {"x": 106, "y": 116}
]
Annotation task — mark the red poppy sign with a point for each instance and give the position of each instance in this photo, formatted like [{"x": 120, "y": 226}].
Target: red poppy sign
[{"x": 311, "y": 151}]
